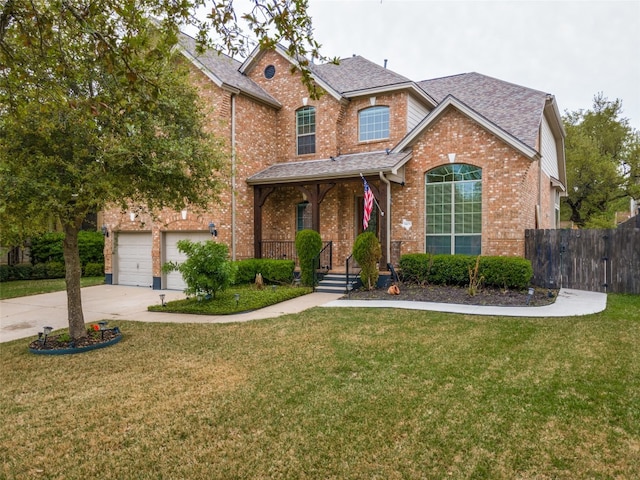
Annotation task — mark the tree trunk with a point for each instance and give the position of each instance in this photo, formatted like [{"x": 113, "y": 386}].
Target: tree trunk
[{"x": 73, "y": 272}]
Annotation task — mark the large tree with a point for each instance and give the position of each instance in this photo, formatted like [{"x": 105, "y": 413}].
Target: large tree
[
  {"x": 96, "y": 109},
  {"x": 603, "y": 163}
]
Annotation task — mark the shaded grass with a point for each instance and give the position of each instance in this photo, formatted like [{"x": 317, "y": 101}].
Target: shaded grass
[
  {"x": 23, "y": 288},
  {"x": 334, "y": 394},
  {"x": 250, "y": 298}
]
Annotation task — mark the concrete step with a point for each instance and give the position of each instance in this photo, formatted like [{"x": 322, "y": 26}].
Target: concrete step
[{"x": 336, "y": 283}]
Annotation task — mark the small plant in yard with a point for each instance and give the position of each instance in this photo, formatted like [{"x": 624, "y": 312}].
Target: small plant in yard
[
  {"x": 207, "y": 269},
  {"x": 367, "y": 252},
  {"x": 475, "y": 278}
]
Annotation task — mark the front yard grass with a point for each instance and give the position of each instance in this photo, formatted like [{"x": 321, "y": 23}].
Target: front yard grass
[
  {"x": 23, "y": 288},
  {"x": 334, "y": 393}
]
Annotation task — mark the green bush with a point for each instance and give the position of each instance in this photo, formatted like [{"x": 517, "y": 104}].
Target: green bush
[
  {"x": 94, "y": 269},
  {"x": 46, "y": 248},
  {"x": 54, "y": 269},
  {"x": 6, "y": 273},
  {"x": 451, "y": 269},
  {"x": 91, "y": 247},
  {"x": 23, "y": 272},
  {"x": 207, "y": 268},
  {"x": 506, "y": 272},
  {"x": 367, "y": 252},
  {"x": 308, "y": 246},
  {"x": 273, "y": 271},
  {"x": 503, "y": 272},
  {"x": 414, "y": 267},
  {"x": 39, "y": 271}
]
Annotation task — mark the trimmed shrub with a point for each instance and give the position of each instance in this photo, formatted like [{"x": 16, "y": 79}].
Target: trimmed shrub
[
  {"x": 451, "y": 269},
  {"x": 308, "y": 246},
  {"x": 273, "y": 271},
  {"x": 367, "y": 252},
  {"x": 506, "y": 272},
  {"x": 39, "y": 271},
  {"x": 24, "y": 272},
  {"x": 6, "y": 273},
  {"x": 55, "y": 269},
  {"x": 414, "y": 267},
  {"x": 94, "y": 269},
  {"x": 503, "y": 272}
]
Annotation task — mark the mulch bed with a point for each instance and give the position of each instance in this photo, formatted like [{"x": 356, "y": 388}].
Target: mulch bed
[
  {"x": 62, "y": 341},
  {"x": 460, "y": 295}
]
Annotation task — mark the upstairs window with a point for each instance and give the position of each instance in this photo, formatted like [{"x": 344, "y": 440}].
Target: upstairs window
[
  {"x": 373, "y": 124},
  {"x": 306, "y": 130}
]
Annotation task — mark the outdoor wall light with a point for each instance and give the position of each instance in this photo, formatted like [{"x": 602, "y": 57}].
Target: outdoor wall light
[
  {"x": 212, "y": 229},
  {"x": 162, "y": 295},
  {"x": 105, "y": 230}
]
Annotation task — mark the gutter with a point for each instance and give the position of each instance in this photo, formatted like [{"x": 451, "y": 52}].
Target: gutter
[{"x": 387, "y": 216}]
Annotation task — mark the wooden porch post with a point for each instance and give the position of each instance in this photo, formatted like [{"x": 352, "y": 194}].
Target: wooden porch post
[
  {"x": 381, "y": 198},
  {"x": 260, "y": 195}
]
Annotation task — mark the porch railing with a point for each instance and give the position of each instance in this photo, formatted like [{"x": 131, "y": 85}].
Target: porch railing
[{"x": 286, "y": 250}]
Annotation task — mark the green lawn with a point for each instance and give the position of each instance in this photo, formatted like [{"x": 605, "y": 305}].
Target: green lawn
[
  {"x": 334, "y": 393},
  {"x": 23, "y": 288}
]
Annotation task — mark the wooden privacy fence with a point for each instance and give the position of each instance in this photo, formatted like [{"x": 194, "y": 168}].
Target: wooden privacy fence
[{"x": 594, "y": 260}]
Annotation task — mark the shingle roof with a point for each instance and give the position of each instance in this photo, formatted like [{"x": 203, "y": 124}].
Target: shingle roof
[
  {"x": 339, "y": 167},
  {"x": 226, "y": 69},
  {"x": 357, "y": 73},
  {"x": 516, "y": 109}
]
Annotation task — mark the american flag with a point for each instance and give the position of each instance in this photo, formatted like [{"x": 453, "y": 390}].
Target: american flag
[{"x": 368, "y": 204}]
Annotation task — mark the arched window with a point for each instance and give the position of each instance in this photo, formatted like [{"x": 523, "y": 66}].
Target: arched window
[
  {"x": 373, "y": 124},
  {"x": 454, "y": 209},
  {"x": 306, "y": 130}
]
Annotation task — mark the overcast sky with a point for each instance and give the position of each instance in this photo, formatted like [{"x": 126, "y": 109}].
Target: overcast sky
[{"x": 571, "y": 49}]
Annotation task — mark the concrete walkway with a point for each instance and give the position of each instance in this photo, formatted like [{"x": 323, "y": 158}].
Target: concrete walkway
[{"x": 25, "y": 316}]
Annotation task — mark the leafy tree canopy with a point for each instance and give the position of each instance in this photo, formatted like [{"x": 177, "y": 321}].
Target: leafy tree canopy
[
  {"x": 603, "y": 163},
  {"x": 96, "y": 108}
]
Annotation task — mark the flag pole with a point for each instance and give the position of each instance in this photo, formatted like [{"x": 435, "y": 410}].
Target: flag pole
[{"x": 374, "y": 198}]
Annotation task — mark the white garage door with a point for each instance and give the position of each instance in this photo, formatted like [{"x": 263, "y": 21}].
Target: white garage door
[
  {"x": 173, "y": 280},
  {"x": 133, "y": 257}
]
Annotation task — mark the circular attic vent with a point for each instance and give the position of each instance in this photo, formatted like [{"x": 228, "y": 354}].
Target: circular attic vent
[{"x": 270, "y": 71}]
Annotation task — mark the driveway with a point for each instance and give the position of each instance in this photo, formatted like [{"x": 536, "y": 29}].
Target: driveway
[{"x": 25, "y": 316}]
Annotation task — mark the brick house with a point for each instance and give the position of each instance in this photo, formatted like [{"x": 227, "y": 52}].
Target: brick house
[{"x": 462, "y": 164}]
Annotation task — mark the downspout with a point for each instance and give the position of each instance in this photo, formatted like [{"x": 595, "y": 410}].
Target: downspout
[
  {"x": 387, "y": 216},
  {"x": 233, "y": 177}
]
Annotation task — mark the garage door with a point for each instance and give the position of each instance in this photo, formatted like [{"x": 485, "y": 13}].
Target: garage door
[
  {"x": 133, "y": 259},
  {"x": 173, "y": 280}
]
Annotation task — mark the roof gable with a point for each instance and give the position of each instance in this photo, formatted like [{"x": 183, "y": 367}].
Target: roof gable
[
  {"x": 224, "y": 71},
  {"x": 452, "y": 102},
  {"x": 517, "y": 110}
]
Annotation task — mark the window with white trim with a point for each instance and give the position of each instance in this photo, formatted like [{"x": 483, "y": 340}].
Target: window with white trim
[
  {"x": 306, "y": 130},
  {"x": 454, "y": 209},
  {"x": 373, "y": 123}
]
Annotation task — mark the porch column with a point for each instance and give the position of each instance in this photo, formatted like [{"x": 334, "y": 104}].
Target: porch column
[
  {"x": 315, "y": 194},
  {"x": 380, "y": 193},
  {"x": 260, "y": 195}
]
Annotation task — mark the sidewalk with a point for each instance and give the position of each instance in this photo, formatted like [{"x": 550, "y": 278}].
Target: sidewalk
[{"x": 25, "y": 316}]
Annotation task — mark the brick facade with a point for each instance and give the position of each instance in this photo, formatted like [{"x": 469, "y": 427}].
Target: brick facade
[{"x": 513, "y": 186}]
